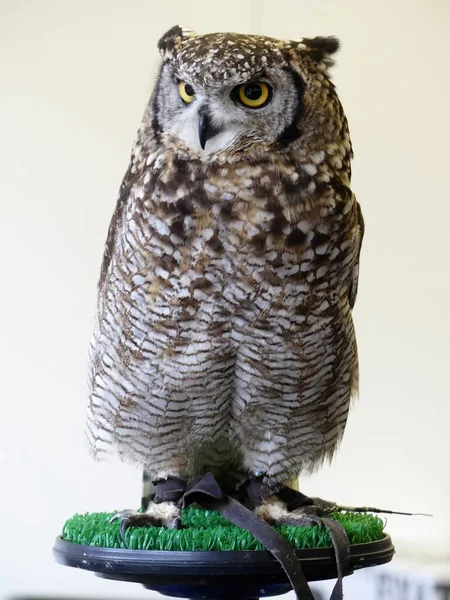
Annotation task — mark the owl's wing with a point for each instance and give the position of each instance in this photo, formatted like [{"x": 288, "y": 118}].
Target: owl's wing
[
  {"x": 107, "y": 349},
  {"x": 359, "y": 234},
  {"x": 116, "y": 221}
]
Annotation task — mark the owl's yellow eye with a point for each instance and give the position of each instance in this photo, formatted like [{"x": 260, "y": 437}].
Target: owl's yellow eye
[
  {"x": 187, "y": 92},
  {"x": 254, "y": 94}
]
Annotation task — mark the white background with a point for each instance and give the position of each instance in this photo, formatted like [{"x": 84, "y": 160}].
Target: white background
[{"x": 74, "y": 80}]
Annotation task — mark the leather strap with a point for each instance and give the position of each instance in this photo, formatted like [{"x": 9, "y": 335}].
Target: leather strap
[
  {"x": 341, "y": 547},
  {"x": 169, "y": 490},
  {"x": 256, "y": 491},
  {"x": 206, "y": 492},
  {"x": 293, "y": 498}
]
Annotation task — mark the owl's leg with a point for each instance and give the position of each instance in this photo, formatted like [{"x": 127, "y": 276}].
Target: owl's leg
[
  {"x": 280, "y": 504},
  {"x": 275, "y": 512},
  {"x": 159, "y": 507}
]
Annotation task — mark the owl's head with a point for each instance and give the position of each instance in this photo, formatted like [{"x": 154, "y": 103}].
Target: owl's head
[{"x": 230, "y": 92}]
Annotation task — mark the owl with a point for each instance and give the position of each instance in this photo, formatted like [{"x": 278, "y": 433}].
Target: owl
[{"x": 223, "y": 340}]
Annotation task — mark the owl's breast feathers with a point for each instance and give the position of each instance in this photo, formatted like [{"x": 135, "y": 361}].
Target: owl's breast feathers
[
  {"x": 224, "y": 305},
  {"x": 281, "y": 221}
]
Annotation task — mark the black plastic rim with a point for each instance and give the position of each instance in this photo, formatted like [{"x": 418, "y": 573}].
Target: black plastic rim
[{"x": 156, "y": 568}]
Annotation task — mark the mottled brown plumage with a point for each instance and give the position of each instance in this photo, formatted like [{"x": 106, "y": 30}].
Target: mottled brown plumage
[{"x": 224, "y": 339}]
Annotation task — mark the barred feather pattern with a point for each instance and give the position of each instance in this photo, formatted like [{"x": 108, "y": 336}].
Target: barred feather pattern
[{"x": 223, "y": 337}]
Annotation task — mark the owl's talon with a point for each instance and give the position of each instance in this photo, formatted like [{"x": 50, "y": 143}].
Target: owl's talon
[
  {"x": 122, "y": 514},
  {"x": 176, "y": 523},
  {"x": 164, "y": 514}
]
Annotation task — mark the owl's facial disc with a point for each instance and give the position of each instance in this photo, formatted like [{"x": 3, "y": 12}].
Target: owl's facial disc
[
  {"x": 252, "y": 95},
  {"x": 203, "y": 120},
  {"x": 232, "y": 115}
]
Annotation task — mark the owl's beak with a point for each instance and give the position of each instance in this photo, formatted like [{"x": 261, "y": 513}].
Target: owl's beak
[{"x": 206, "y": 130}]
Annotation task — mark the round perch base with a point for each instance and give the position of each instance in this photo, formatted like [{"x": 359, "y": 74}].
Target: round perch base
[{"x": 214, "y": 575}]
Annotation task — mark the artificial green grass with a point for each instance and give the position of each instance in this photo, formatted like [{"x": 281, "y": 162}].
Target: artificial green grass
[{"x": 208, "y": 530}]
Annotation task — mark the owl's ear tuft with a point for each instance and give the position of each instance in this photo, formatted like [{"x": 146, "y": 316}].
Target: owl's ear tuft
[
  {"x": 320, "y": 49},
  {"x": 171, "y": 41},
  {"x": 327, "y": 45}
]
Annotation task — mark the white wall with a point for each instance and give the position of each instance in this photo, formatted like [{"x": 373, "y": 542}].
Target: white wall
[{"x": 74, "y": 79}]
